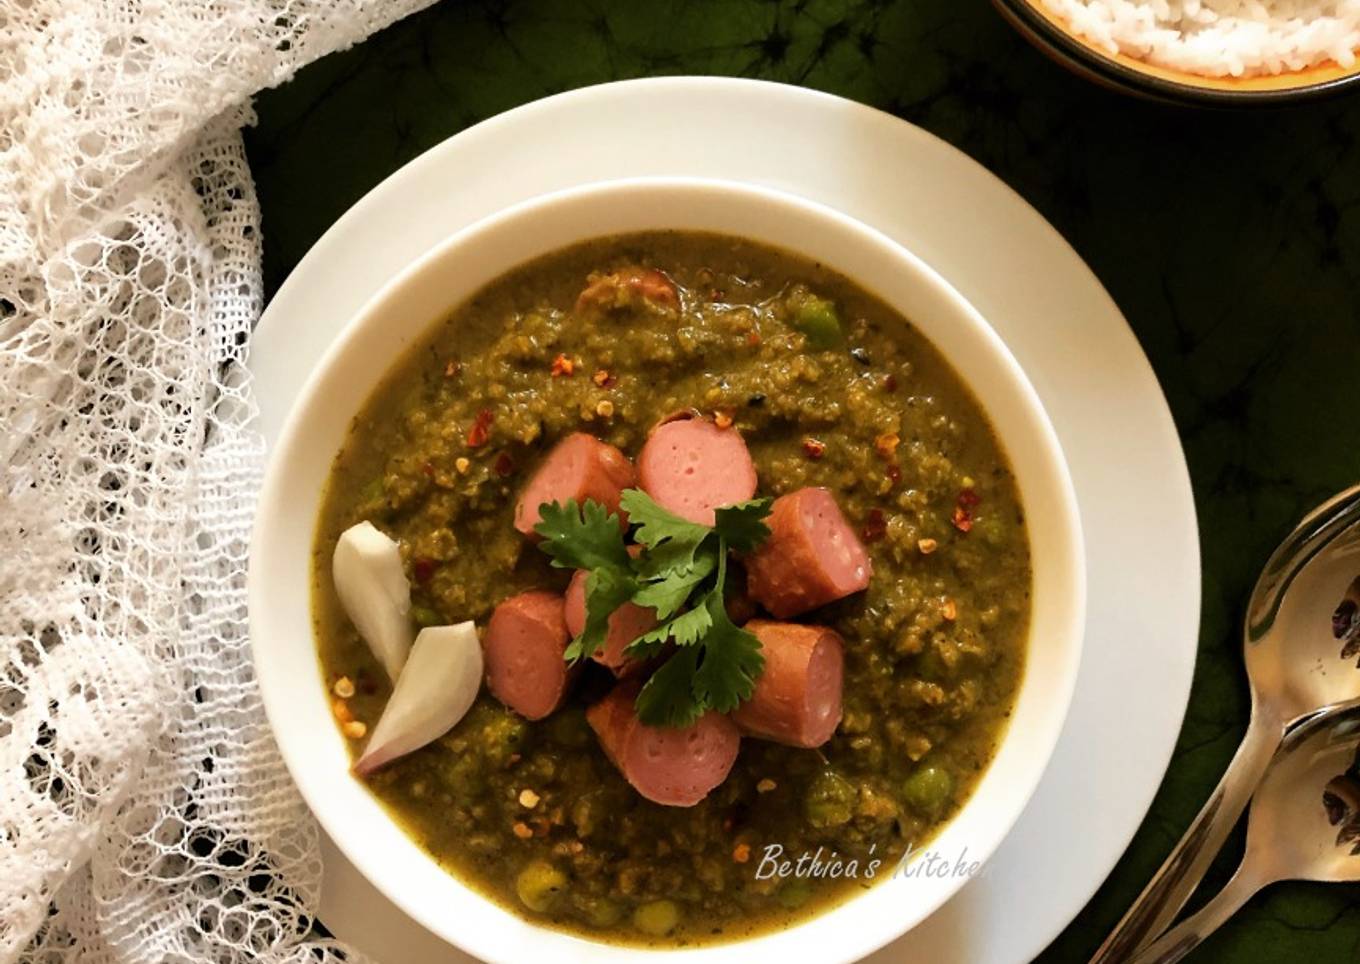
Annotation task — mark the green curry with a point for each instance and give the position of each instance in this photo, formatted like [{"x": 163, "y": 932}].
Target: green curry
[{"x": 829, "y": 387}]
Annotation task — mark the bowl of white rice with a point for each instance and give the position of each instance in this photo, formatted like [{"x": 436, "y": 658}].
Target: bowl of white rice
[{"x": 1224, "y": 52}]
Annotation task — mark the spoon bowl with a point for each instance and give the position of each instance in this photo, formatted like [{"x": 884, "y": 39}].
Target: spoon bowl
[
  {"x": 1301, "y": 647},
  {"x": 1303, "y": 619},
  {"x": 1304, "y": 825},
  {"x": 1305, "y": 818}
]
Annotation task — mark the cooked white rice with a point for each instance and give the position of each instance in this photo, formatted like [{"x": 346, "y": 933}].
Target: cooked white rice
[{"x": 1220, "y": 38}]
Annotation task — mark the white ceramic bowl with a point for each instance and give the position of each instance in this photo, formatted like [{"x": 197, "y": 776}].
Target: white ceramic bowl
[{"x": 280, "y": 557}]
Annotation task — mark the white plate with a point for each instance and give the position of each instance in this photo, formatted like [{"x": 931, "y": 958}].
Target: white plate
[{"x": 1132, "y": 486}]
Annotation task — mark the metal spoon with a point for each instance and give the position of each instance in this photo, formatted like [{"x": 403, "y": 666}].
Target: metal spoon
[
  {"x": 1304, "y": 825},
  {"x": 1300, "y": 639}
]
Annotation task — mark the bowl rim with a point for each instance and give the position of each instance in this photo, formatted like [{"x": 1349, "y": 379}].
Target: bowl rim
[
  {"x": 1067, "y": 549},
  {"x": 1047, "y": 33}
]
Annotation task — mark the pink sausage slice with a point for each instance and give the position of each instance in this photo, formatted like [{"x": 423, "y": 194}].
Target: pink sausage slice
[
  {"x": 522, "y": 647},
  {"x": 579, "y": 467},
  {"x": 797, "y": 700},
  {"x": 626, "y": 624},
  {"x": 811, "y": 558},
  {"x": 691, "y": 467},
  {"x": 675, "y": 767}
]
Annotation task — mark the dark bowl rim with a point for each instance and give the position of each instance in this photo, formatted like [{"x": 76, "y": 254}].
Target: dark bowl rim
[{"x": 1023, "y": 15}]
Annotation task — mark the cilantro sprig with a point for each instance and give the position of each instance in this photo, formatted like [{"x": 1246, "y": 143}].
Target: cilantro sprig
[
  {"x": 681, "y": 573},
  {"x": 589, "y": 537}
]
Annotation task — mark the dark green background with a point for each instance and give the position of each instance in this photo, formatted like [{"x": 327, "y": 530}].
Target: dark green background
[{"x": 1230, "y": 240}]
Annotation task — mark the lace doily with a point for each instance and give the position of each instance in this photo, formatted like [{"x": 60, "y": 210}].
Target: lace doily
[{"x": 145, "y": 815}]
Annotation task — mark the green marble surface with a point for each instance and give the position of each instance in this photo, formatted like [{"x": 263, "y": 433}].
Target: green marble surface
[{"x": 1230, "y": 241}]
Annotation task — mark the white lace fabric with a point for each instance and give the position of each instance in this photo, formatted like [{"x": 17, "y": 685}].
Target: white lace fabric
[{"x": 145, "y": 814}]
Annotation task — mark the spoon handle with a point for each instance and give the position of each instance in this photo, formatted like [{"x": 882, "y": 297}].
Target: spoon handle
[
  {"x": 1181, "y": 872},
  {"x": 1191, "y": 932}
]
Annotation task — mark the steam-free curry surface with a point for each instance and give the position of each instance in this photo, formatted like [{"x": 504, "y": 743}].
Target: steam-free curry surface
[{"x": 847, "y": 396}]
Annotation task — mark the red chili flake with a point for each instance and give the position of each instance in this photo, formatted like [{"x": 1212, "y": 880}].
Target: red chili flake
[
  {"x": 717, "y": 294},
  {"x": 504, "y": 464},
  {"x": 427, "y": 470},
  {"x": 875, "y": 526},
  {"x": 423, "y": 569},
  {"x": 813, "y": 449},
  {"x": 969, "y": 498},
  {"x": 453, "y": 369},
  {"x": 753, "y": 339},
  {"x": 895, "y": 473},
  {"x": 562, "y": 365},
  {"x": 890, "y": 383},
  {"x": 962, "y": 519},
  {"x": 481, "y": 429}
]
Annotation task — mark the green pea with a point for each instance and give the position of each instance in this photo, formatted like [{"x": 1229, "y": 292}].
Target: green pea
[
  {"x": 375, "y": 489},
  {"x": 817, "y": 319},
  {"x": 794, "y": 894},
  {"x": 656, "y": 918},
  {"x": 603, "y": 912},
  {"x": 425, "y": 616},
  {"x": 539, "y": 885},
  {"x": 830, "y": 800},
  {"x": 929, "y": 789}
]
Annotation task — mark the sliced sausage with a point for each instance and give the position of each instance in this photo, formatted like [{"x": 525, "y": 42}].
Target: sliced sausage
[
  {"x": 673, "y": 766},
  {"x": 628, "y": 288},
  {"x": 626, "y": 624},
  {"x": 691, "y": 467},
  {"x": 523, "y": 649},
  {"x": 797, "y": 699},
  {"x": 579, "y": 467},
  {"x": 811, "y": 558},
  {"x": 737, "y": 599},
  {"x": 740, "y": 606}
]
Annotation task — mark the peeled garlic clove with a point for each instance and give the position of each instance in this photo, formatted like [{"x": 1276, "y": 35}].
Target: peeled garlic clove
[
  {"x": 374, "y": 592},
  {"x": 435, "y": 690}
]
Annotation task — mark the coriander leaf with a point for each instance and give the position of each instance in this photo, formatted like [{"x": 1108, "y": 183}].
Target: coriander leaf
[
  {"x": 668, "y": 593},
  {"x": 646, "y": 646},
  {"x": 742, "y": 525},
  {"x": 732, "y": 659},
  {"x": 670, "y": 556},
  {"x": 656, "y": 525},
  {"x": 666, "y": 698},
  {"x": 686, "y": 629},
  {"x": 581, "y": 537},
  {"x": 607, "y": 588}
]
